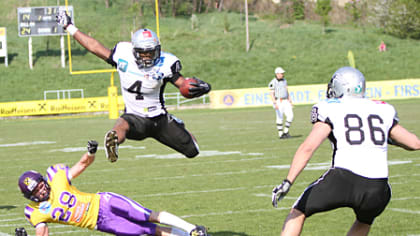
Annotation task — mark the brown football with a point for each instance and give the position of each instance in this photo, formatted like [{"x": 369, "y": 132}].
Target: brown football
[{"x": 184, "y": 88}]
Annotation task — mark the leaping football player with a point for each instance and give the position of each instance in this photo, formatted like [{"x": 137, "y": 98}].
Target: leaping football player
[
  {"x": 55, "y": 200},
  {"x": 144, "y": 71}
]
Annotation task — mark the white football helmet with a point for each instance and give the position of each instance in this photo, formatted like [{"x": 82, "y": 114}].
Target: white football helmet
[
  {"x": 279, "y": 70},
  {"x": 346, "y": 81},
  {"x": 146, "y": 42}
]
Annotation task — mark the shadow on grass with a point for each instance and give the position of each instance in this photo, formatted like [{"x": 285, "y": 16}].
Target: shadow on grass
[
  {"x": 227, "y": 233},
  {"x": 57, "y": 53},
  {"x": 295, "y": 136},
  {"x": 251, "y": 45},
  {"x": 7, "y": 207},
  {"x": 292, "y": 136},
  {"x": 329, "y": 31},
  {"x": 10, "y": 57}
]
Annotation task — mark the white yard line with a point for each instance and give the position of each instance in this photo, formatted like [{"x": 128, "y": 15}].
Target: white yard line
[
  {"x": 69, "y": 232},
  {"x": 404, "y": 211},
  {"x": 83, "y": 149},
  {"x": 208, "y": 153},
  {"x": 15, "y": 219},
  {"x": 405, "y": 198},
  {"x": 191, "y": 192},
  {"x": 235, "y": 212},
  {"x": 25, "y": 143}
]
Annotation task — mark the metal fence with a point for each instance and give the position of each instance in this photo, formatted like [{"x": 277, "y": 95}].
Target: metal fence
[
  {"x": 64, "y": 93},
  {"x": 176, "y": 100},
  {"x": 172, "y": 100}
]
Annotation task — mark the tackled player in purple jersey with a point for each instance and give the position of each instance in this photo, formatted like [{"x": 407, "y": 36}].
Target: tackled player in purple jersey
[{"x": 55, "y": 200}]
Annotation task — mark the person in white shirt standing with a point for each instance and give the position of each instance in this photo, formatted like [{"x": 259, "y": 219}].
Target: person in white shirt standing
[
  {"x": 144, "y": 71},
  {"x": 281, "y": 102},
  {"x": 359, "y": 130}
]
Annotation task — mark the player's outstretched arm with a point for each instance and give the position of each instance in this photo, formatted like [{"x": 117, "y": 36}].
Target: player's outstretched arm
[
  {"x": 404, "y": 138},
  {"x": 86, "y": 159},
  {"x": 319, "y": 133},
  {"x": 91, "y": 44}
]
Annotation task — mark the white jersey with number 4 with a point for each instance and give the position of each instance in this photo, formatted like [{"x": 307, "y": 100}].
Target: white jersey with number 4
[
  {"x": 360, "y": 129},
  {"x": 142, "y": 89}
]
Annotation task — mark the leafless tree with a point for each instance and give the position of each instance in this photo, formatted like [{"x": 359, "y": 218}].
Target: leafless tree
[
  {"x": 220, "y": 5},
  {"x": 200, "y": 5},
  {"x": 194, "y": 6},
  {"x": 173, "y": 3},
  {"x": 209, "y": 4}
]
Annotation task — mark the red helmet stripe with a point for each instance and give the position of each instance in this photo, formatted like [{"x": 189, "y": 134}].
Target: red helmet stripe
[{"x": 147, "y": 34}]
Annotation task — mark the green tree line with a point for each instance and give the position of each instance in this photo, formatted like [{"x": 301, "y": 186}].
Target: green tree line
[{"x": 400, "y": 18}]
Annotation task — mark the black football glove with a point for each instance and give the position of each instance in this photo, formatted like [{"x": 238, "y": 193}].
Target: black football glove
[
  {"x": 63, "y": 19},
  {"x": 92, "y": 147},
  {"x": 199, "y": 88},
  {"x": 280, "y": 191},
  {"x": 20, "y": 232}
]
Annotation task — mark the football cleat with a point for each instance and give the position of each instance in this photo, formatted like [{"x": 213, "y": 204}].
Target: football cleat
[
  {"x": 199, "y": 230},
  {"x": 111, "y": 146},
  {"x": 285, "y": 136}
]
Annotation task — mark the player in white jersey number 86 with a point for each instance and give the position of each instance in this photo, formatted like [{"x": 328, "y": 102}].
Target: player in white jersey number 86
[
  {"x": 359, "y": 130},
  {"x": 144, "y": 70}
]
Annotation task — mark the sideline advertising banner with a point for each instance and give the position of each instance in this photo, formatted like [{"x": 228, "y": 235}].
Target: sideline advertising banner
[
  {"x": 311, "y": 94},
  {"x": 235, "y": 98},
  {"x": 52, "y": 107}
]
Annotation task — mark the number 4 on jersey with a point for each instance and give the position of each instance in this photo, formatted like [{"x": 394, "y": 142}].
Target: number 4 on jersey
[{"x": 136, "y": 88}]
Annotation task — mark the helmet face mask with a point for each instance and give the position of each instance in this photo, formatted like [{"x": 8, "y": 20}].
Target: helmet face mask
[
  {"x": 346, "y": 81},
  {"x": 28, "y": 183},
  {"x": 146, "y": 48}
]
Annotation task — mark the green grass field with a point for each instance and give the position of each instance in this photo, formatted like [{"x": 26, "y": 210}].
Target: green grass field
[
  {"x": 307, "y": 55},
  {"x": 227, "y": 187}
]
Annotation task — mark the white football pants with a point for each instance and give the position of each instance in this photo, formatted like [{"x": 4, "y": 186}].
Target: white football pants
[{"x": 285, "y": 109}]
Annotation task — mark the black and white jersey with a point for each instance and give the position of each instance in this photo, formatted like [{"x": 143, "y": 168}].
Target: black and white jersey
[
  {"x": 142, "y": 89},
  {"x": 360, "y": 130},
  {"x": 279, "y": 87}
]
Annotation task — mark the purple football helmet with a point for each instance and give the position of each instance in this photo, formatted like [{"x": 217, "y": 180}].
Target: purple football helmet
[{"x": 28, "y": 182}]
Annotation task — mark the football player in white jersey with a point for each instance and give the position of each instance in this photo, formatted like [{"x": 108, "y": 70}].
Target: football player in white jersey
[
  {"x": 144, "y": 71},
  {"x": 359, "y": 130}
]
